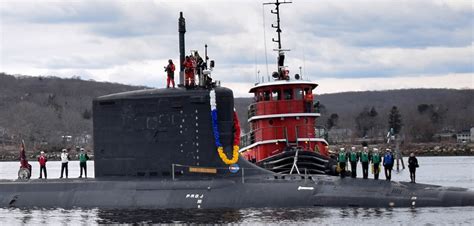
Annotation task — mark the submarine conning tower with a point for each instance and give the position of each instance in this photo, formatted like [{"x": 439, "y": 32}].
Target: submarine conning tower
[{"x": 151, "y": 133}]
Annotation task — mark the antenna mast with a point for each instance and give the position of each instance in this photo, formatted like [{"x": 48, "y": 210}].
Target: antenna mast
[{"x": 281, "y": 54}]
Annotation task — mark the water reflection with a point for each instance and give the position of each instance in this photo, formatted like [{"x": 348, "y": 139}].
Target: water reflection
[
  {"x": 198, "y": 216},
  {"x": 286, "y": 215},
  {"x": 310, "y": 216}
]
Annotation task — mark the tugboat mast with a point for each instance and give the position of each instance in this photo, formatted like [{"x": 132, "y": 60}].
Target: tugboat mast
[{"x": 280, "y": 75}]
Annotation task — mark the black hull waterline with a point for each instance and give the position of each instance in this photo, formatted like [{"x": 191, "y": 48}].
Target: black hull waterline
[{"x": 238, "y": 192}]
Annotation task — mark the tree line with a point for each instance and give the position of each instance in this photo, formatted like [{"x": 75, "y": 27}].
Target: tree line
[{"x": 51, "y": 111}]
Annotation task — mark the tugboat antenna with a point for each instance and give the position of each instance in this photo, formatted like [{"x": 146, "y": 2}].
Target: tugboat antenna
[
  {"x": 278, "y": 29},
  {"x": 280, "y": 75}
]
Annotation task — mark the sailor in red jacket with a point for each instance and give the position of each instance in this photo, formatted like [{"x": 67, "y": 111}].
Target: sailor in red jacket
[
  {"x": 170, "y": 71},
  {"x": 42, "y": 161},
  {"x": 188, "y": 72}
]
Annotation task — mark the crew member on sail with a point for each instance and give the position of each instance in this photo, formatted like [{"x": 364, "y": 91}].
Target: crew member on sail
[
  {"x": 170, "y": 73},
  {"x": 189, "y": 72}
]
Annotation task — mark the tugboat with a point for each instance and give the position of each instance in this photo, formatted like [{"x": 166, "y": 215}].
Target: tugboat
[
  {"x": 178, "y": 148},
  {"x": 282, "y": 122}
]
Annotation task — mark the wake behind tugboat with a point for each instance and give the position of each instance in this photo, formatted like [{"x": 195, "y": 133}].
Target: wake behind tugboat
[{"x": 178, "y": 148}]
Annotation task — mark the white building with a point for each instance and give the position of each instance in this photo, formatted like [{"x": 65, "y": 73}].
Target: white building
[{"x": 464, "y": 136}]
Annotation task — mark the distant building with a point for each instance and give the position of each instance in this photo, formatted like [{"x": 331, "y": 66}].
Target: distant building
[
  {"x": 446, "y": 135},
  {"x": 464, "y": 136}
]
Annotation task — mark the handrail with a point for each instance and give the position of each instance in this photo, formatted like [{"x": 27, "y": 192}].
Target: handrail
[{"x": 277, "y": 132}]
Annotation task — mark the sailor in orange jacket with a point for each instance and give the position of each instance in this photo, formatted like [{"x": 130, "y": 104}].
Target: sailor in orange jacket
[{"x": 188, "y": 72}]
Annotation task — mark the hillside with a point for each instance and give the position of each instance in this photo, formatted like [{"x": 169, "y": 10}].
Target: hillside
[
  {"x": 41, "y": 110},
  {"x": 50, "y": 111},
  {"x": 424, "y": 112}
]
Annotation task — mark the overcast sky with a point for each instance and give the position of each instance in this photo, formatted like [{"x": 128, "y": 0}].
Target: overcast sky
[{"x": 342, "y": 45}]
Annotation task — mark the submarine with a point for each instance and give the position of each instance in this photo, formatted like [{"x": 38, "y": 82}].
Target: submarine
[{"x": 176, "y": 148}]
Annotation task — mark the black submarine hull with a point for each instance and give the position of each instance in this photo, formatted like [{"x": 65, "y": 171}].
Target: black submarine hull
[{"x": 253, "y": 191}]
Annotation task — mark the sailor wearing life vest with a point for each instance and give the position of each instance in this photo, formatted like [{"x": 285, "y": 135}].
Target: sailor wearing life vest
[
  {"x": 388, "y": 164},
  {"x": 364, "y": 159},
  {"x": 376, "y": 163},
  {"x": 353, "y": 159},
  {"x": 42, "y": 161},
  {"x": 342, "y": 160},
  {"x": 83, "y": 157}
]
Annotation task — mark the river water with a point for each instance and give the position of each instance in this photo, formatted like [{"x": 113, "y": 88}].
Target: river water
[{"x": 455, "y": 171}]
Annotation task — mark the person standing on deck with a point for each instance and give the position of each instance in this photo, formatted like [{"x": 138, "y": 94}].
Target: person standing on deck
[
  {"x": 83, "y": 162},
  {"x": 353, "y": 159},
  {"x": 364, "y": 159},
  {"x": 42, "y": 161},
  {"x": 188, "y": 72},
  {"x": 412, "y": 165},
  {"x": 342, "y": 160},
  {"x": 170, "y": 73},
  {"x": 376, "y": 163},
  {"x": 388, "y": 164},
  {"x": 64, "y": 163}
]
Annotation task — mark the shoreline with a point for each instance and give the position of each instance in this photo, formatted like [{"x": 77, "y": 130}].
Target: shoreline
[{"x": 420, "y": 149}]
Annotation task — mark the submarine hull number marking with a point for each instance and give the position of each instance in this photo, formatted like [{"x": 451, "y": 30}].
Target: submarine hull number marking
[{"x": 198, "y": 197}]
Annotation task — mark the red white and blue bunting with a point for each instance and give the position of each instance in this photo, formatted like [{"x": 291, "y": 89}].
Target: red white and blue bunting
[{"x": 215, "y": 129}]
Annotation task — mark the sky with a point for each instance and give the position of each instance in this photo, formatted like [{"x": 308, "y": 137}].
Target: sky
[{"x": 343, "y": 46}]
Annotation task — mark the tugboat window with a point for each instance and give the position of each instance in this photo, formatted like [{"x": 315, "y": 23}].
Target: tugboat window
[
  {"x": 276, "y": 95},
  {"x": 298, "y": 94},
  {"x": 258, "y": 96},
  {"x": 266, "y": 95},
  {"x": 288, "y": 94}
]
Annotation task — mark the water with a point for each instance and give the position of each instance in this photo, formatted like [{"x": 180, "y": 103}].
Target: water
[{"x": 446, "y": 171}]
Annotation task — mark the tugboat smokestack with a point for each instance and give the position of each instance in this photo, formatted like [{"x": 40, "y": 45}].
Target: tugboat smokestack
[{"x": 182, "y": 48}]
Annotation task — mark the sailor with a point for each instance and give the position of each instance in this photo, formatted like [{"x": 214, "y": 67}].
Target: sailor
[
  {"x": 200, "y": 64},
  {"x": 353, "y": 159},
  {"x": 189, "y": 72},
  {"x": 412, "y": 165},
  {"x": 364, "y": 159},
  {"x": 308, "y": 99},
  {"x": 83, "y": 157},
  {"x": 170, "y": 73},
  {"x": 42, "y": 161},
  {"x": 388, "y": 164},
  {"x": 376, "y": 163},
  {"x": 64, "y": 162},
  {"x": 342, "y": 160}
]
